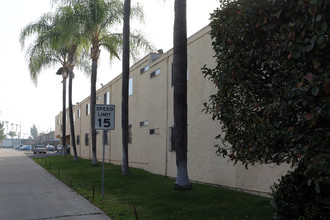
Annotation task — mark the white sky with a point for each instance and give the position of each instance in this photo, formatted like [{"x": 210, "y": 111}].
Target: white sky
[{"x": 21, "y": 102}]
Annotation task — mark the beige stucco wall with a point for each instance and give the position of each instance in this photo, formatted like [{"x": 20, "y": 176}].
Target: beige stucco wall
[{"x": 152, "y": 101}]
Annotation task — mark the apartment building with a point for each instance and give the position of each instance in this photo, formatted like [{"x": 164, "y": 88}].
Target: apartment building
[{"x": 151, "y": 123}]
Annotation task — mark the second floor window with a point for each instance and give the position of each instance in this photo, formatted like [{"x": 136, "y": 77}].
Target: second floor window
[
  {"x": 107, "y": 98},
  {"x": 88, "y": 109},
  {"x": 144, "y": 69},
  {"x": 144, "y": 123},
  {"x": 154, "y": 73}
]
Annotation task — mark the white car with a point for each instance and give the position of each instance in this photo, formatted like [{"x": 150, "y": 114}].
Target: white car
[
  {"x": 17, "y": 147},
  {"x": 50, "y": 147},
  {"x": 59, "y": 147},
  {"x": 39, "y": 148},
  {"x": 23, "y": 147}
]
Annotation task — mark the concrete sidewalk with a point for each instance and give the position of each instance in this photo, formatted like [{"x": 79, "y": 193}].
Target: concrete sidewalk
[{"x": 28, "y": 192}]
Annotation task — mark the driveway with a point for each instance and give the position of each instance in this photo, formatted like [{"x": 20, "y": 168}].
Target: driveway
[{"x": 28, "y": 192}]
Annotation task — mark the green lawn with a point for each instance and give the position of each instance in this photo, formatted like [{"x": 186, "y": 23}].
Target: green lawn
[{"x": 152, "y": 195}]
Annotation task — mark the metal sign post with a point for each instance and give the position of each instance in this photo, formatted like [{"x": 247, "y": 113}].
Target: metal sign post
[{"x": 104, "y": 120}]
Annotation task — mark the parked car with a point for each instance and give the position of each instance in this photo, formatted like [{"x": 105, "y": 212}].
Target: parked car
[
  {"x": 17, "y": 147},
  {"x": 59, "y": 147},
  {"x": 22, "y": 147},
  {"x": 25, "y": 147},
  {"x": 39, "y": 148},
  {"x": 50, "y": 147},
  {"x": 28, "y": 147},
  {"x": 68, "y": 148}
]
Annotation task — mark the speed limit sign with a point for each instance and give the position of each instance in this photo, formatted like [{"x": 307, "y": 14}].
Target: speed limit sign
[{"x": 104, "y": 117}]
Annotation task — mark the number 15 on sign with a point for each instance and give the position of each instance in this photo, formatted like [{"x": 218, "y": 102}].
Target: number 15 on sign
[{"x": 104, "y": 117}]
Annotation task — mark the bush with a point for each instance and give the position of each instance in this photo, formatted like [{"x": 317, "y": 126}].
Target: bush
[
  {"x": 295, "y": 197},
  {"x": 273, "y": 82}
]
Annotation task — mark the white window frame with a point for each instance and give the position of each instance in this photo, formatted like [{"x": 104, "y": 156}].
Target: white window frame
[
  {"x": 107, "y": 98},
  {"x": 155, "y": 73},
  {"x": 144, "y": 123},
  {"x": 130, "y": 86},
  {"x": 144, "y": 69},
  {"x": 88, "y": 108}
]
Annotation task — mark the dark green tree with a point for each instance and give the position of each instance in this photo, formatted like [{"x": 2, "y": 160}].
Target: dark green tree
[
  {"x": 12, "y": 134},
  {"x": 2, "y": 132},
  {"x": 34, "y": 132},
  {"x": 272, "y": 99}
]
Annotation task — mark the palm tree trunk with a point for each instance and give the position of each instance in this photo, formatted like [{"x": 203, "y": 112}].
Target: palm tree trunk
[
  {"x": 92, "y": 110},
  {"x": 73, "y": 140},
  {"x": 180, "y": 94},
  {"x": 125, "y": 82},
  {"x": 64, "y": 118}
]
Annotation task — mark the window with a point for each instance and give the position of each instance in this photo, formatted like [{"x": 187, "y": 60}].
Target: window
[
  {"x": 129, "y": 134},
  {"x": 58, "y": 121},
  {"x": 74, "y": 116},
  {"x": 78, "y": 139},
  {"x": 144, "y": 123},
  {"x": 107, "y": 98},
  {"x": 172, "y": 140},
  {"x": 130, "y": 86},
  {"x": 154, "y": 131},
  {"x": 86, "y": 139},
  {"x": 88, "y": 109},
  {"x": 144, "y": 69},
  {"x": 78, "y": 113},
  {"x": 154, "y": 73}
]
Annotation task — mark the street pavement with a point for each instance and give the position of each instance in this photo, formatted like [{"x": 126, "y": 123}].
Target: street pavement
[{"x": 29, "y": 192}]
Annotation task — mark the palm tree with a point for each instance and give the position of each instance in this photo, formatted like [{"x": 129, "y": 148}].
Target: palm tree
[
  {"x": 49, "y": 49},
  {"x": 105, "y": 15},
  {"x": 68, "y": 32},
  {"x": 180, "y": 94},
  {"x": 72, "y": 132},
  {"x": 12, "y": 134},
  {"x": 125, "y": 85},
  {"x": 63, "y": 71},
  {"x": 41, "y": 55},
  {"x": 99, "y": 19}
]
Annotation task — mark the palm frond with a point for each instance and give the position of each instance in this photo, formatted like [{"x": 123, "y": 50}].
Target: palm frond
[
  {"x": 41, "y": 57},
  {"x": 42, "y": 25},
  {"x": 139, "y": 42},
  {"x": 137, "y": 12},
  {"x": 113, "y": 44}
]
